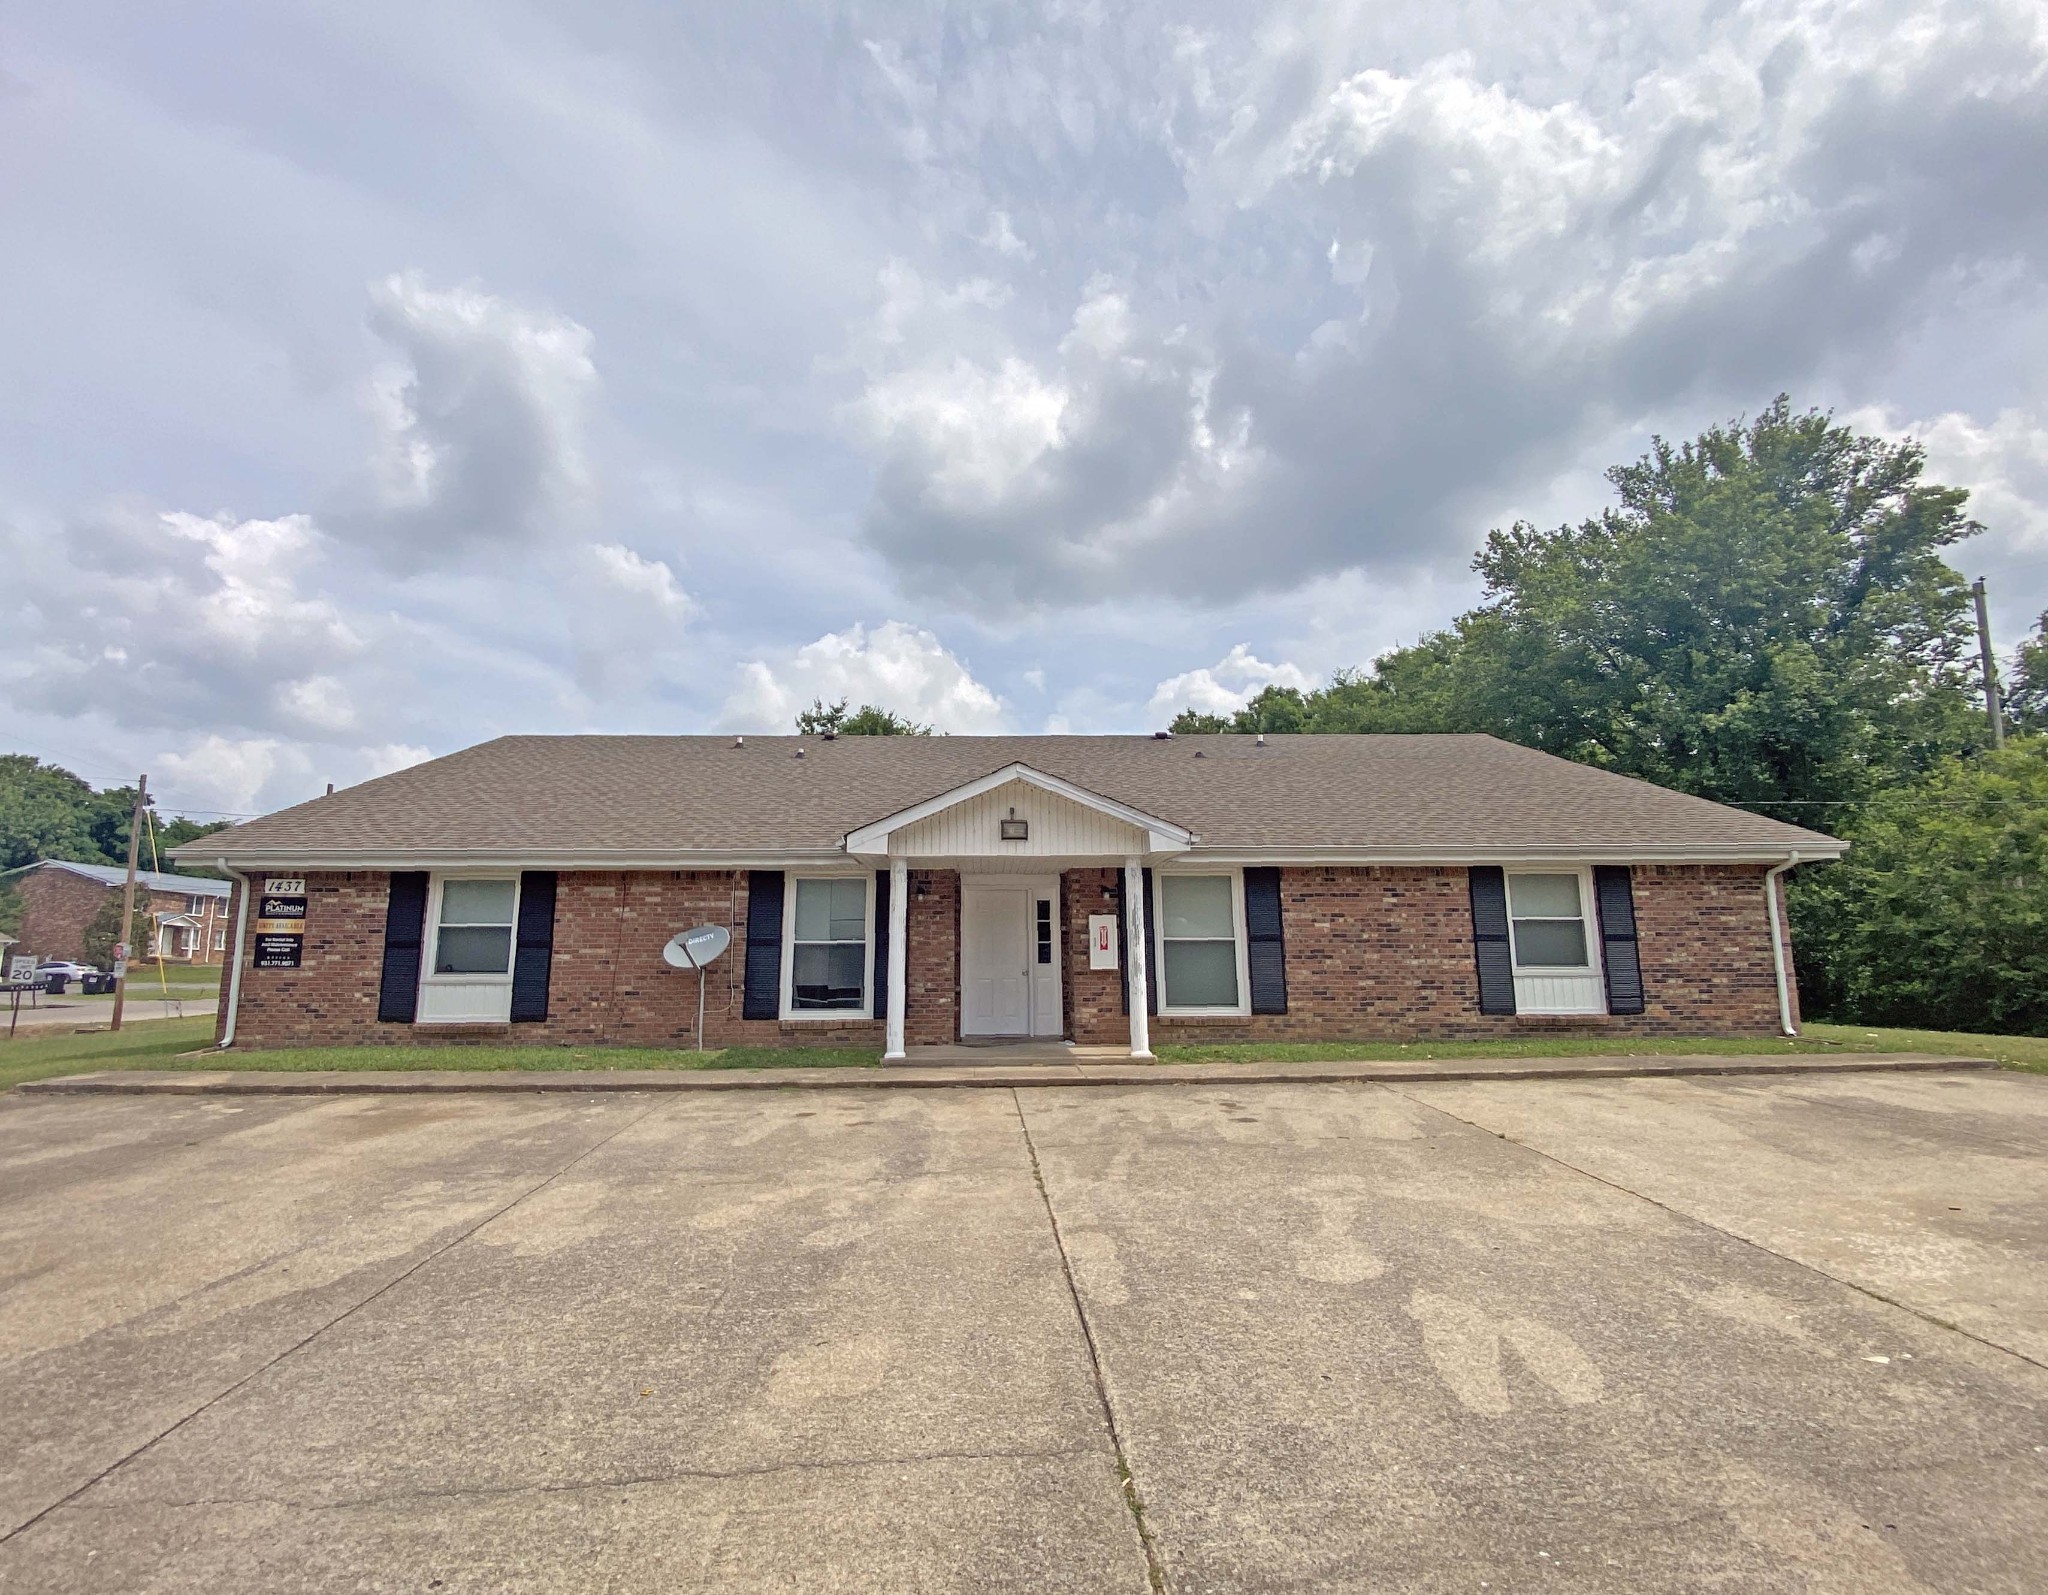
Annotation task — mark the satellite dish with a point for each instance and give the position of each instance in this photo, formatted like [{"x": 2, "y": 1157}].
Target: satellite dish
[{"x": 693, "y": 949}]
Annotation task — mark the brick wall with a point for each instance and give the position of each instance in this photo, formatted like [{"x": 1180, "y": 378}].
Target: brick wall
[
  {"x": 1387, "y": 952},
  {"x": 931, "y": 971},
  {"x": 56, "y": 906},
  {"x": 1381, "y": 952},
  {"x": 608, "y": 985},
  {"x": 1094, "y": 997}
]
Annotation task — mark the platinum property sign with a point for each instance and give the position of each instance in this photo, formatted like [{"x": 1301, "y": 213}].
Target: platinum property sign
[{"x": 281, "y": 923}]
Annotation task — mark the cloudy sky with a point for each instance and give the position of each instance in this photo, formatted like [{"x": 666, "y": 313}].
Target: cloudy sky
[{"x": 377, "y": 378}]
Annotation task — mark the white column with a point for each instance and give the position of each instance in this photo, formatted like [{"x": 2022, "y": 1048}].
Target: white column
[
  {"x": 899, "y": 955},
  {"x": 1135, "y": 911}
]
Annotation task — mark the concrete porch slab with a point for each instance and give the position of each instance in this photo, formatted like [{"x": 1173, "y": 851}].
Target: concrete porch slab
[{"x": 325, "y": 1082}]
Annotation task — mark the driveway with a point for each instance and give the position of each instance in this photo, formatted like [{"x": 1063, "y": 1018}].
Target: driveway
[{"x": 1609, "y": 1336}]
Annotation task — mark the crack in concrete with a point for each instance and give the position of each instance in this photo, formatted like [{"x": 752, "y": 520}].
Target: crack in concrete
[
  {"x": 1127, "y": 1481},
  {"x": 1861, "y": 1289},
  {"x": 578, "y": 1486},
  {"x": 313, "y": 1335}
]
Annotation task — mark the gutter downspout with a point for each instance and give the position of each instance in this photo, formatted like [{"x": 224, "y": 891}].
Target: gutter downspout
[
  {"x": 227, "y": 1035},
  {"x": 1777, "y": 944}
]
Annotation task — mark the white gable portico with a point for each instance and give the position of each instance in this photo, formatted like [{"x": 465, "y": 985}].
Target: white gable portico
[{"x": 1009, "y": 833}]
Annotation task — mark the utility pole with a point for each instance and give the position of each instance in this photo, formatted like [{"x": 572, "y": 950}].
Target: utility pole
[
  {"x": 121, "y": 947},
  {"x": 1991, "y": 700}
]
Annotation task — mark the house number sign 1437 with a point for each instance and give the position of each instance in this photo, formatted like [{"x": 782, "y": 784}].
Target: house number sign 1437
[{"x": 281, "y": 923}]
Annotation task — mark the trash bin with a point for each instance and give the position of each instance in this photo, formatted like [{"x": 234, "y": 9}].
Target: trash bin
[
  {"x": 53, "y": 985},
  {"x": 96, "y": 985}
]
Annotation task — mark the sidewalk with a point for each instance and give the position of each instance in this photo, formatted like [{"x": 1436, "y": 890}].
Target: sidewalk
[{"x": 372, "y": 1082}]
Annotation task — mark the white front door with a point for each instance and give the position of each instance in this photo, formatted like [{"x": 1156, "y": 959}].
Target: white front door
[{"x": 995, "y": 961}]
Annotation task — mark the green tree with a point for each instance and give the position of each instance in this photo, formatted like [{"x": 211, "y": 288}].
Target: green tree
[
  {"x": 47, "y": 812},
  {"x": 1938, "y": 916},
  {"x": 1764, "y": 617},
  {"x": 103, "y": 930},
  {"x": 866, "y": 721},
  {"x": 176, "y": 832},
  {"x": 2026, "y": 694},
  {"x": 11, "y": 908}
]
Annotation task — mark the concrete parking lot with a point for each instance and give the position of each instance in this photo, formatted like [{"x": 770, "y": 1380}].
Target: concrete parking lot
[{"x": 1618, "y": 1335}]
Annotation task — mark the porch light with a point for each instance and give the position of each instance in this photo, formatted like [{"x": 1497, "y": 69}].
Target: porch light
[{"x": 1016, "y": 830}]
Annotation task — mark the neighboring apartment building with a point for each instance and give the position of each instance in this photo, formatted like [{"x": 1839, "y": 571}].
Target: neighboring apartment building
[
  {"x": 188, "y": 914},
  {"x": 1109, "y": 890}
]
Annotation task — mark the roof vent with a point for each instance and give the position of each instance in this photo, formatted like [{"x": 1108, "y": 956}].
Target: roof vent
[
  {"x": 739, "y": 742},
  {"x": 829, "y": 736},
  {"x": 1259, "y": 741},
  {"x": 1200, "y": 754},
  {"x": 1162, "y": 736},
  {"x": 798, "y": 754}
]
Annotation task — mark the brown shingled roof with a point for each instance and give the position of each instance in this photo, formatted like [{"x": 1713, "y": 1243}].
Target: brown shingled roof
[{"x": 652, "y": 799}]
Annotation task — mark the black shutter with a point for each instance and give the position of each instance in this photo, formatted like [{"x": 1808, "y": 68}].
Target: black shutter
[
  {"x": 1266, "y": 947},
  {"x": 534, "y": 950},
  {"x": 405, "y": 928},
  {"x": 1490, "y": 939},
  {"x": 1154, "y": 976},
  {"x": 1123, "y": 949},
  {"x": 881, "y": 974},
  {"x": 763, "y": 999},
  {"x": 1619, "y": 955}
]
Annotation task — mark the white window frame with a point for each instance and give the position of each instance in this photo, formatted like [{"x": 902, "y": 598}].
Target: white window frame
[
  {"x": 1156, "y": 937},
  {"x": 790, "y": 1012},
  {"x": 1589, "y": 917},
  {"x": 433, "y": 948}
]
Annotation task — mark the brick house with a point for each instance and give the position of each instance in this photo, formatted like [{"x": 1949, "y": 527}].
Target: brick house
[
  {"x": 897, "y": 891},
  {"x": 188, "y": 914}
]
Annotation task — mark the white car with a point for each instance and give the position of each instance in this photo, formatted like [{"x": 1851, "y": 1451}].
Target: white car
[{"x": 65, "y": 967}]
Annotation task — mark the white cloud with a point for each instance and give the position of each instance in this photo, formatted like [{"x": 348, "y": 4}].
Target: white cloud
[
  {"x": 1001, "y": 236},
  {"x": 321, "y": 702},
  {"x": 2003, "y": 462},
  {"x": 650, "y": 580},
  {"x": 895, "y": 666},
  {"x": 1224, "y": 687},
  {"x": 157, "y": 617},
  {"x": 242, "y": 775},
  {"x": 479, "y": 427},
  {"x": 1411, "y": 275},
  {"x": 1006, "y": 487},
  {"x": 232, "y": 774}
]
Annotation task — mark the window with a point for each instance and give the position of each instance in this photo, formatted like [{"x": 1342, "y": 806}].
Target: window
[
  {"x": 828, "y": 955},
  {"x": 220, "y": 940},
  {"x": 1200, "y": 947},
  {"x": 474, "y": 934},
  {"x": 195, "y": 905},
  {"x": 1045, "y": 930},
  {"x": 1549, "y": 920}
]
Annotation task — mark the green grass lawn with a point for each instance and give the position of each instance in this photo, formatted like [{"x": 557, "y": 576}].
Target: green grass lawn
[
  {"x": 174, "y": 1044},
  {"x": 146, "y": 1044},
  {"x": 2018, "y": 1052}
]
